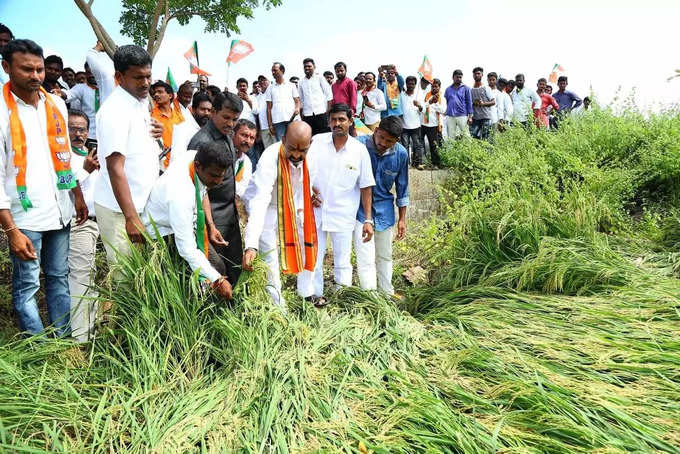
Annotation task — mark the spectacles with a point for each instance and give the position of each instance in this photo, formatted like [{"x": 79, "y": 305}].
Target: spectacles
[{"x": 76, "y": 130}]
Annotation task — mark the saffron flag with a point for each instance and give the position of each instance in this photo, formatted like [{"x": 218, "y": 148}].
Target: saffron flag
[
  {"x": 239, "y": 50},
  {"x": 171, "y": 80},
  {"x": 192, "y": 57},
  {"x": 425, "y": 70},
  {"x": 553, "y": 75}
]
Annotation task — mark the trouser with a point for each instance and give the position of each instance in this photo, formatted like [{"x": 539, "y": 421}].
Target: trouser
[
  {"x": 280, "y": 129},
  {"x": 434, "y": 139},
  {"x": 479, "y": 129},
  {"x": 116, "y": 242},
  {"x": 269, "y": 251},
  {"x": 374, "y": 259},
  {"x": 232, "y": 254},
  {"x": 412, "y": 137},
  {"x": 318, "y": 123},
  {"x": 254, "y": 155},
  {"x": 51, "y": 247},
  {"x": 373, "y": 126},
  {"x": 342, "y": 265},
  {"x": 267, "y": 138},
  {"x": 81, "y": 263},
  {"x": 457, "y": 126}
]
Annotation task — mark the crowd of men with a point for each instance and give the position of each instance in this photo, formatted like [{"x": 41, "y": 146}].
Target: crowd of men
[{"x": 276, "y": 169}]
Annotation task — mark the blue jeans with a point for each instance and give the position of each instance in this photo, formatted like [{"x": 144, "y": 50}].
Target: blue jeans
[
  {"x": 51, "y": 247},
  {"x": 479, "y": 129},
  {"x": 280, "y": 129}
]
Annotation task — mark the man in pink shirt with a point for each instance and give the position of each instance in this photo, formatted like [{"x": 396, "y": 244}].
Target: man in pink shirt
[
  {"x": 344, "y": 89},
  {"x": 546, "y": 101}
]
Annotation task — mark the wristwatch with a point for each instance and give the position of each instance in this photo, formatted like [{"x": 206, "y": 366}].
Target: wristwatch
[{"x": 370, "y": 221}]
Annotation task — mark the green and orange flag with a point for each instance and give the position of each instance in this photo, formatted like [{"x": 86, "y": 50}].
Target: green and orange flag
[
  {"x": 425, "y": 70},
  {"x": 553, "y": 75},
  {"x": 192, "y": 57},
  {"x": 239, "y": 50},
  {"x": 171, "y": 80}
]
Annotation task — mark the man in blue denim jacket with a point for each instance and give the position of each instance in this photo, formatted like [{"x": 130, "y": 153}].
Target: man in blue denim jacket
[{"x": 390, "y": 163}]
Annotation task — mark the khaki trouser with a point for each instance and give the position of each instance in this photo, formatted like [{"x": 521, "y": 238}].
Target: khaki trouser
[
  {"x": 457, "y": 127},
  {"x": 267, "y": 137},
  {"x": 81, "y": 263},
  {"x": 374, "y": 126},
  {"x": 112, "y": 229}
]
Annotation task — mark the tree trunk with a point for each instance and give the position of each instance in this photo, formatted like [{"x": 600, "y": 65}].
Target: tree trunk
[{"x": 99, "y": 31}]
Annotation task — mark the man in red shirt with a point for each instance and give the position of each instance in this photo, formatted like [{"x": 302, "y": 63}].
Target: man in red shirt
[
  {"x": 546, "y": 101},
  {"x": 344, "y": 89}
]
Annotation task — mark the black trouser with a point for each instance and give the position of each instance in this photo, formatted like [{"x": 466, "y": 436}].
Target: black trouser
[
  {"x": 412, "y": 138},
  {"x": 434, "y": 138},
  {"x": 232, "y": 254},
  {"x": 319, "y": 123}
]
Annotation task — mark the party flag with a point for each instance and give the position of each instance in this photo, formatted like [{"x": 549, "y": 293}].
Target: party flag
[
  {"x": 192, "y": 56},
  {"x": 425, "y": 69},
  {"x": 171, "y": 80},
  {"x": 239, "y": 49}
]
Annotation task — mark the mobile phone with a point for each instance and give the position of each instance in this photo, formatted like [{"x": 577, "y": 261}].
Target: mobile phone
[{"x": 91, "y": 145}]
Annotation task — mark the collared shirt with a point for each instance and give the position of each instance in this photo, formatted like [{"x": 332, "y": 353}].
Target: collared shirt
[
  {"x": 314, "y": 95},
  {"x": 123, "y": 126},
  {"x": 168, "y": 120},
  {"x": 87, "y": 180},
  {"x": 250, "y": 113},
  {"x": 262, "y": 198},
  {"x": 390, "y": 169},
  {"x": 84, "y": 95},
  {"x": 181, "y": 136},
  {"x": 102, "y": 70},
  {"x": 547, "y": 101},
  {"x": 222, "y": 196},
  {"x": 458, "y": 100},
  {"x": 52, "y": 207},
  {"x": 523, "y": 102},
  {"x": 340, "y": 179},
  {"x": 395, "y": 109},
  {"x": 262, "y": 111},
  {"x": 431, "y": 114},
  {"x": 247, "y": 174},
  {"x": 345, "y": 92},
  {"x": 482, "y": 93},
  {"x": 172, "y": 207},
  {"x": 504, "y": 108},
  {"x": 377, "y": 99},
  {"x": 411, "y": 112},
  {"x": 282, "y": 96},
  {"x": 567, "y": 100}
]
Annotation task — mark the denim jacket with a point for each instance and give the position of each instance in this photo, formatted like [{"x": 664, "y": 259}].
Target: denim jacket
[{"x": 389, "y": 170}]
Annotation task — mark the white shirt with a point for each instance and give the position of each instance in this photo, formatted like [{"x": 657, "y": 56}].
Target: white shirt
[
  {"x": 85, "y": 96},
  {"x": 52, "y": 207},
  {"x": 522, "y": 101},
  {"x": 182, "y": 134},
  {"x": 250, "y": 113},
  {"x": 339, "y": 178},
  {"x": 282, "y": 98},
  {"x": 314, "y": 95},
  {"x": 188, "y": 116},
  {"x": 261, "y": 196},
  {"x": 411, "y": 113},
  {"x": 437, "y": 108},
  {"x": 87, "y": 180},
  {"x": 242, "y": 185},
  {"x": 172, "y": 207},
  {"x": 262, "y": 111},
  {"x": 123, "y": 126},
  {"x": 377, "y": 99},
  {"x": 504, "y": 106},
  {"x": 102, "y": 70}
]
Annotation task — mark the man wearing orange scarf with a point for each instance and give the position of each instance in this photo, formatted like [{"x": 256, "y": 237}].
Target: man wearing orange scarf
[
  {"x": 166, "y": 112},
  {"x": 36, "y": 184},
  {"x": 281, "y": 223}
]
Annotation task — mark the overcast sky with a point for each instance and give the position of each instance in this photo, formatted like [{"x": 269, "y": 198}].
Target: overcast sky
[{"x": 603, "y": 44}]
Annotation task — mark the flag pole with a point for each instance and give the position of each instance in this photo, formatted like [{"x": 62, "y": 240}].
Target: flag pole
[{"x": 228, "y": 66}]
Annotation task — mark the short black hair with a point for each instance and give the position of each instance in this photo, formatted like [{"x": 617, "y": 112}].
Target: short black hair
[
  {"x": 369, "y": 72},
  {"x": 130, "y": 55},
  {"x": 502, "y": 82},
  {"x": 492, "y": 74},
  {"x": 5, "y": 29},
  {"x": 340, "y": 63},
  {"x": 68, "y": 68},
  {"x": 213, "y": 89},
  {"x": 160, "y": 84},
  {"x": 519, "y": 75},
  {"x": 241, "y": 79},
  {"x": 54, "y": 59},
  {"x": 293, "y": 78},
  {"x": 79, "y": 113},
  {"x": 478, "y": 68},
  {"x": 436, "y": 81},
  {"x": 261, "y": 77},
  {"x": 308, "y": 60},
  {"x": 392, "y": 125},
  {"x": 25, "y": 46},
  {"x": 542, "y": 79},
  {"x": 562, "y": 78},
  {"x": 244, "y": 123},
  {"x": 457, "y": 72},
  {"x": 328, "y": 73},
  {"x": 186, "y": 84},
  {"x": 340, "y": 107},
  {"x": 413, "y": 78},
  {"x": 229, "y": 101},
  {"x": 80, "y": 72},
  {"x": 211, "y": 154},
  {"x": 281, "y": 67},
  {"x": 198, "y": 99}
]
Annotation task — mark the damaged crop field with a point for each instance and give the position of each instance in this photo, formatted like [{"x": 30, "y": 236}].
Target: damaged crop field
[{"x": 549, "y": 321}]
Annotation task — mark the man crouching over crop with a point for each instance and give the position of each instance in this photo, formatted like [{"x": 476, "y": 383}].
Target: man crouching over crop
[{"x": 176, "y": 208}]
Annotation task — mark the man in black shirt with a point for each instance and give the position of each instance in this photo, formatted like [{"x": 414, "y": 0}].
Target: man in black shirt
[{"x": 224, "y": 218}]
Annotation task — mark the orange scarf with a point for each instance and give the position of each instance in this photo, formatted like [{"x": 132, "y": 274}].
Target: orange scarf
[
  {"x": 168, "y": 121},
  {"x": 202, "y": 240},
  {"x": 427, "y": 109},
  {"x": 57, "y": 138},
  {"x": 392, "y": 91},
  {"x": 289, "y": 242}
]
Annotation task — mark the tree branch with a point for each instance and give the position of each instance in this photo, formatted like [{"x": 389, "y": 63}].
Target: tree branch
[
  {"x": 97, "y": 28},
  {"x": 161, "y": 33},
  {"x": 153, "y": 32}
]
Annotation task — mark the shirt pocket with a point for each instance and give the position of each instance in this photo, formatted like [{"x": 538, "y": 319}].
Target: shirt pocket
[{"x": 348, "y": 176}]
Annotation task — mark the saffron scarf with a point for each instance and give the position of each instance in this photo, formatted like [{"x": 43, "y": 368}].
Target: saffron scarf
[
  {"x": 239, "y": 171},
  {"x": 392, "y": 91},
  {"x": 57, "y": 138},
  {"x": 290, "y": 252},
  {"x": 426, "y": 117},
  {"x": 201, "y": 227}
]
